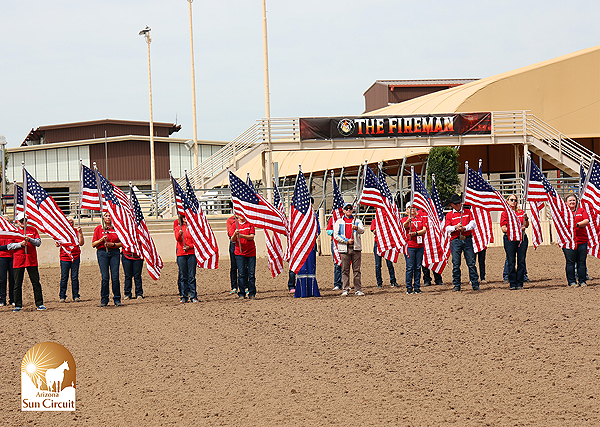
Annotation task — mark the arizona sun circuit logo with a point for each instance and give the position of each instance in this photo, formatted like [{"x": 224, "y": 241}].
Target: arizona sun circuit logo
[
  {"x": 346, "y": 127},
  {"x": 48, "y": 378}
]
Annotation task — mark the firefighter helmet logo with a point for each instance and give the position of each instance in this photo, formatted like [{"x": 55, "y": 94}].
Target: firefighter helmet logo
[{"x": 346, "y": 127}]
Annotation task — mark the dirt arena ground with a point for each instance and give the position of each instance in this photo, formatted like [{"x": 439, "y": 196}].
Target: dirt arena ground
[{"x": 489, "y": 358}]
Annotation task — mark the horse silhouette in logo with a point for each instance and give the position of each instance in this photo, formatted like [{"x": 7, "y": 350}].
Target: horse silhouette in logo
[{"x": 55, "y": 377}]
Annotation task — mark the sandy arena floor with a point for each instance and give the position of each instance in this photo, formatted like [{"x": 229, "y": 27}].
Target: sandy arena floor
[{"x": 489, "y": 358}]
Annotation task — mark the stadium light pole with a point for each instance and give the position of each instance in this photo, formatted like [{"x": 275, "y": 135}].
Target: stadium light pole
[
  {"x": 146, "y": 33},
  {"x": 267, "y": 161},
  {"x": 195, "y": 123},
  {"x": 3, "y": 185}
]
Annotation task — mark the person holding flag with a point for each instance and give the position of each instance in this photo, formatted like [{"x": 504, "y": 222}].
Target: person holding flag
[
  {"x": 337, "y": 268},
  {"x": 233, "y": 271},
  {"x": 186, "y": 260},
  {"x": 379, "y": 258},
  {"x": 69, "y": 262},
  {"x": 416, "y": 227},
  {"x": 245, "y": 257},
  {"x": 347, "y": 233},
  {"x": 516, "y": 250},
  {"x": 578, "y": 256},
  {"x": 107, "y": 244},
  {"x": 459, "y": 224}
]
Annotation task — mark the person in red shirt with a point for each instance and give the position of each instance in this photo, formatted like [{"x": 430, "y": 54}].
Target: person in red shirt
[
  {"x": 70, "y": 263},
  {"x": 245, "y": 257},
  {"x": 107, "y": 246},
  {"x": 337, "y": 269},
  {"x": 459, "y": 224},
  {"x": 577, "y": 257},
  {"x": 27, "y": 259},
  {"x": 515, "y": 250},
  {"x": 416, "y": 227},
  {"x": 233, "y": 272},
  {"x": 6, "y": 273},
  {"x": 186, "y": 261}
]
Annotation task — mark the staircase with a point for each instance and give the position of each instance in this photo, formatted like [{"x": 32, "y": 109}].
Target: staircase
[{"x": 283, "y": 134}]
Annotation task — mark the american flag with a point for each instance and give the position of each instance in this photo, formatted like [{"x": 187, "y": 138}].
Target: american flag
[
  {"x": 336, "y": 212},
  {"x": 434, "y": 238},
  {"x": 89, "y": 190},
  {"x": 46, "y": 214},
  {"x": 154, "y": 263},
  {"x": 117, "y": 204},
  {"x": 482, "y": 234},
  {"x": 539, "y": 191},
  {"x": 303, "y": 225},
  {"x": 389, "y": 235},
  {"x": 205, "y": 243},
  {"x": 278, "y": 203},
  {"x": 255, "y": 208},
  {"x": 480, "y": 194},
  {"x": 19, "y": 205},
  {"x": 389, "y": 254},
  {"x": 8, "y": 230},
  {"x": 213, "y": 261},
  {"x": 589, "y": 196},
  {"x": 435, "y": 198}
]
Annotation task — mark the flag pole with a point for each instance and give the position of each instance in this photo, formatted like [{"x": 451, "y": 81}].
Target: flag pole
[
  {"x": 585, "y": 183},
  {"x": 100, "y": 200},
  {"x": 80, "y": 191},
  {"x": 237, "y": 227},
  {"x": 462, "y": 206},
  {"x": 15, "y": 201},
  {"x": 24, "y": 203}
]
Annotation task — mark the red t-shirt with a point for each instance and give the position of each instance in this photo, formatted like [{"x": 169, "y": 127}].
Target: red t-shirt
[
  {"x": 248, "y": 247},
  {"x": 504, "y": 217},
  {"x": 6, "y": 241},
  {"x": 185, "y": 240},
  {"x": 231, "y": 227},
  {"x": 111, "y": 237},
  {"x": 453, "y": 218},
  {"x": 29, "y": 259},
  {"x": 75, "y": 251},
  {"x": 581, "y": 233},
  {"x": 330, "y": 226},
  {"x": 415, "y": 225}
]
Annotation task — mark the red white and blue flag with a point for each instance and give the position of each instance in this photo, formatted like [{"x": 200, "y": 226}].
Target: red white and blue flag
[
  {"x": 434, "y": 238},
  {"x": 9, "y": 230},
  {"x": 303, "y": 225},
  {"x": 482, "y": 234},
  {"x": 479, "y": 193},
  {"x": 589, "y": 196},
  {"x": 154, "y": 262},
  {"x": 205, "y": 243},
  {"x": 254, "y": 207},
  {"x": 45, "y": 213},
  {"x": 89, "y": 190},
  {"x": 538, "y": 191},
  {"x": 336, "y": 212},
  {"x": 273, "y": 240},
  {"x": 388, "y": 232}
]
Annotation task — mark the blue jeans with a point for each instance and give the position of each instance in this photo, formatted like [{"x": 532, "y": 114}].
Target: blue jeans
[
  {"x": 6, "y": 270},
  {"x": 247, "y": 274},
  {"x": 458, "y": 247},
  {"x": 187, "y": 270},
  {"x": 413, "y": 268},
  {"x": 73, "y": 268},
  {"x": 390, "y": 266},
  {"x": 109, "y": 270},
  {"x": 516, "y": 252},
  {"x": 505, "y": 271},
  {"x": 572, "y": 257},
  {"x": 233, "y": 272},
  {"x": 133, "y": 270},
  {"x": 291, "y": 280},
  {"x": 337, "y": 272}
]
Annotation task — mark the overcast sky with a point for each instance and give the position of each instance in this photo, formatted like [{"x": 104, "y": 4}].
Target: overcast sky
[{"x": 66, "y": 61}]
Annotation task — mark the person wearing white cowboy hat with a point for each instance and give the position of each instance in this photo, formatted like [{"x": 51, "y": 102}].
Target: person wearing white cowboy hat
[{"x": 26, "y": 259}]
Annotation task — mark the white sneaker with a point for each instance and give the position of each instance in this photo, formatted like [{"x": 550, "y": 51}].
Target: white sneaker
[
  {"x": 345, "y": 293},
  {"x": 359, "y": 293}
]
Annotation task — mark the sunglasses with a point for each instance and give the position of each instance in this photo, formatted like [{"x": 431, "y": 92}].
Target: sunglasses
[{"x": 512, "y": 200}]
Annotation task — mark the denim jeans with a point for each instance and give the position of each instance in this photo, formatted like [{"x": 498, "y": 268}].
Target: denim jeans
[
  {"x": 67, "y": 267},
  {"x": 132, "y": 268},
  {"x": 247, "y": 274},
  {"x": 427, "y": 277},
  {"x": 109, "y": 270},
  {"x": 505, "y": 271},
  {"x": 572, "y": 257},
  {"x": 187, "y": 270},
  {"x": 6, "y": 271},
  {"x": 390, "y": 266},
  {"x": 337, "y": 272},
  {"x": 291, "y": 280},
  {"x": 458, "y": 247},
  {"x": 481, "y": 262},
  {"x": 516, "y": 252},
  {"x": 413, "y": 268},
  {"x": 233, "y": 272}
]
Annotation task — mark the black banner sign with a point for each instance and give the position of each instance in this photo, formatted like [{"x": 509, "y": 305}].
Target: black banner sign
[{"x": 395, "y": 126}]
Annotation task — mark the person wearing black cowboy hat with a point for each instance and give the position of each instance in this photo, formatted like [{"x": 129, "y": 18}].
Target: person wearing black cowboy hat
[{"x": 459, "y": 224}]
